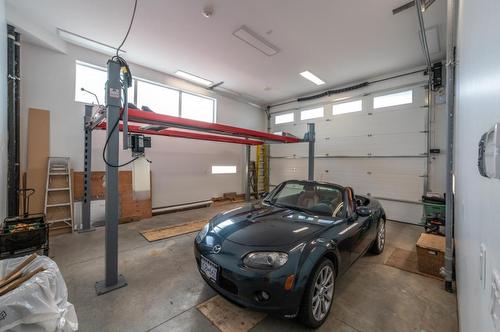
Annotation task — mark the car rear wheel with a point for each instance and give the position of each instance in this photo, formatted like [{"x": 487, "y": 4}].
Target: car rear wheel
[
  {"x": 318, "y": 296},
  {"x": 379, "y": 243}
]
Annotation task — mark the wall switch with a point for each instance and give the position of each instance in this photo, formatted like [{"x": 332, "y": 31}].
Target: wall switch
[
  {"x": 495, "y": 300},
  {"x": 482, "y": 265}
]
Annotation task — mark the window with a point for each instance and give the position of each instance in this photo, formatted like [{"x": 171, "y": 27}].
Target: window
[
  {"x": 283, "y": 118},
  {"x": 158, "y": 98},
  {"x": 223, "y": 169},
  {"x": 393, "y": 99},
  {"x": 312, "y": 113},
  {"x": 348, "y": 107},
  {"x": 93, "y": 79},
  {"x": 198, "y": 108}
]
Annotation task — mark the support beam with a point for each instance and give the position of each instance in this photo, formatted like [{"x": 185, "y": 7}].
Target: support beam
[
  {"x": 450, "y": 109},
  {"x": 247, "y": 173},
  {"x": 13, "y": 109},
  {"x": 310, "y": 160},
  {"x": 87, "y": 172},
  {"x": 112, "y": 280}
]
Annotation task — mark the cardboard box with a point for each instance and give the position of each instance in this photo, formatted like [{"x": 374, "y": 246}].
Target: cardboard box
[{"x": 430, "y": 253}]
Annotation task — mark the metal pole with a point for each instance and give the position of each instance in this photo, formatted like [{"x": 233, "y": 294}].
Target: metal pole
[
  {"x": 87, "y": 172},
  {"x": 247, "y": 173},
  {"x": 13, "y": 171},
  {"x": 450, "y": 108},
  {"x": 112, "y": 280},
  {"x": 310, "y": 161}
]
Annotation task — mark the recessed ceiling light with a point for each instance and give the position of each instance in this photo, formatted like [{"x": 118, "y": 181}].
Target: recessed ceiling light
[
  {"x": 253, "y": 39},
  {"x": 193, "y": 78},
  {"x": 311, "y": 77},
  {"x": 76, "y": 39}
]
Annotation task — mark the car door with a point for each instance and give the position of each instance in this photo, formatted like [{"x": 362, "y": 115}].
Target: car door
[
  {"x": 347, "y": 231},
  {"x": 361, "y": 227}
]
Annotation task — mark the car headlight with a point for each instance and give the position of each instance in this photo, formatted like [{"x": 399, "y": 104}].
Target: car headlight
[
  {"x": 204, "y": 231},
  {"x": 265, "y": 260}
]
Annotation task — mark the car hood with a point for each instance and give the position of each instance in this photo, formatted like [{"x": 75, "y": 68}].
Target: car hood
[{"x": 267, "y": 226}]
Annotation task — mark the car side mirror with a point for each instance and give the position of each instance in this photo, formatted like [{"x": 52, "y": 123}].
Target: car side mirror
[
  {"x": 264, "y": 194},
  {"x": 363, "y": 211}
]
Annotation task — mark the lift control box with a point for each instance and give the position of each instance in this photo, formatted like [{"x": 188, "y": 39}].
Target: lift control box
[
  {"x": 489, "y": 153},
  {"x": 139, "y": 143}
]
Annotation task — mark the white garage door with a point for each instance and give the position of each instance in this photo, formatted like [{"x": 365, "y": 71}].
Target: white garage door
[{"x": 379, "y": 151}]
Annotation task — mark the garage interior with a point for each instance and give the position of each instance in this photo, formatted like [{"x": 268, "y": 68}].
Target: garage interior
[{"x": 224, "y": 101}]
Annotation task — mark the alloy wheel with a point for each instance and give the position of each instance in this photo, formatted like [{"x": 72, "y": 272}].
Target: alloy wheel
[
  {"x": 323, "y": 293},
  {"x": 381, "y": 236}
]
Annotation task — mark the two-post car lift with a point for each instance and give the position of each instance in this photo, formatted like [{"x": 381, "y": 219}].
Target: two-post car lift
[{"x": 150, "y": 123}]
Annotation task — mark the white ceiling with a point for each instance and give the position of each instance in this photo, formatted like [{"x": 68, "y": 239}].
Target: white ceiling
[{"x": 340, "y": 41}]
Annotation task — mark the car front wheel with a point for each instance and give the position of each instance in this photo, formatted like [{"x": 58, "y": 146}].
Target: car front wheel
[{"x": 318, "y": 296}]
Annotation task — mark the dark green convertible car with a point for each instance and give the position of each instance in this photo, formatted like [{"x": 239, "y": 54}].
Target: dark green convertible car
[{"x": 284, "y": 254}]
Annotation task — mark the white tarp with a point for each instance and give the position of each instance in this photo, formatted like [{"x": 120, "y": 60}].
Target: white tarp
[{"x": 39, "y": 304}]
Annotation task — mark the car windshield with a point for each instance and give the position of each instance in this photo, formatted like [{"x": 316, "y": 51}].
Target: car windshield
[{"x": 314, "y": 198}]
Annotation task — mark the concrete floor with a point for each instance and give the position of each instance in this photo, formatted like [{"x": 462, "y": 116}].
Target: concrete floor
[{"x": 164, "y": 285}]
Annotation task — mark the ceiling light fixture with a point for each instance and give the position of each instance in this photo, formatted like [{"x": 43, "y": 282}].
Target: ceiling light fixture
[
  {"x": 311, "y": 77},
  {"x": 76, "y": 39},
  {"x": 253, "y": 39},
  {"x": 193, "y": 78}
]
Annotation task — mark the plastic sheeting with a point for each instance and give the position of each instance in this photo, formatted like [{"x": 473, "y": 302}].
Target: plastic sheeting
[{"x": 40, "y": 303}]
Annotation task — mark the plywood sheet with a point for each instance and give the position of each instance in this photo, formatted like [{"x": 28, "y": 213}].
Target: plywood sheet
[
  {"x": 157, "y": 234},
  {"x": 228, "y": 317},
  {"x": 131, "y": 209},
  {"x": 38, "y": 153}
]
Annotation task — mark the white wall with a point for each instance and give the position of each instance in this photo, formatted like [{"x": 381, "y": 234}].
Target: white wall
[
  {"x": 3, "y": 112},
  {"x": 181, "y": 168},
  {"x": 477, "y": 208}
]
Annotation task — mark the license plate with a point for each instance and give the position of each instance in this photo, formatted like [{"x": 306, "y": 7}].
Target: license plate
[{"x": 209, "y": 269}]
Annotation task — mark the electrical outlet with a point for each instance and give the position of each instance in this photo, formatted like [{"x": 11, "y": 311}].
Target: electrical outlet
[
  {"x": 482, "y": 265},
  {"x": 495, "y": 300}
]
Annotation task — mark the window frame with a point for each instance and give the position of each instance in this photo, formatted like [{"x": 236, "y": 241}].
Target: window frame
[
  {"x": 221, "y": 172},
  {"x": 313, "y": 109},
  {"x": 284, "y": 114},
  {"x": 355, "y": 100},
  {"x": 394, "y": 92},
  {"x": 135, "y": 81}
]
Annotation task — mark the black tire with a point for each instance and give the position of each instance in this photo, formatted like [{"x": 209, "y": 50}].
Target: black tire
[
  {"x": 379, "y": 244},
  {"x": 306, "y": 314}
]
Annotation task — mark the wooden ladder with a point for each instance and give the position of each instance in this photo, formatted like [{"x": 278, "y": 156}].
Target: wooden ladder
[
  {"x": 262, "y": 169},
  {"x": 59, "y": 195}
]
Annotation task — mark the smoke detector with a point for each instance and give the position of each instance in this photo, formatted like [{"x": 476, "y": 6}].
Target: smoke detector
[{"x": 207, "y": 12}]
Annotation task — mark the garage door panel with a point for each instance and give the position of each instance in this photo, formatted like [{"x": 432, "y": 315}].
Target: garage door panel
[
  {"x": 344, "y": 146},
  {"x": 398, "y": 144},
  {"x": 289, "y": 150},
  {"x": 296, "y": 129},
  {"x": 408, "y": 166},
  {"x": 381, "y": 145},
  {"x": 404, "y": 121},
  {"x": 287, "y": 169},
  {"x": 410, "y": 213}
]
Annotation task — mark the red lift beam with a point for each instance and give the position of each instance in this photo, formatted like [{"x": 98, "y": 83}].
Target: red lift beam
[
  {"x": 186, "y": 134},
  {"x": 135, "y": 115}
]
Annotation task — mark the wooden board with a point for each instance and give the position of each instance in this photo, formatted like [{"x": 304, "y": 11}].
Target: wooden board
[
  {"x": 130, "y": 208},
  {"x": 157, "y": 234},
  {"x": 405, "y": 260},
  {"x": 38, "y": 153},
  {"x": 228, "y": 317}
]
